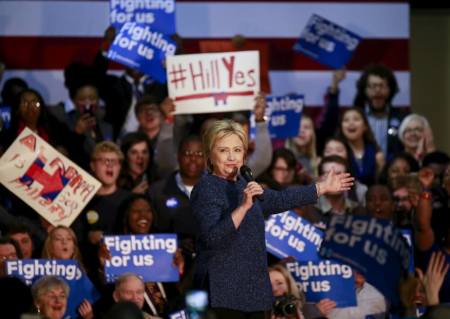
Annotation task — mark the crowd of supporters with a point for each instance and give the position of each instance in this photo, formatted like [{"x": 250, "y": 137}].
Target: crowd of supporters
[{"x": 122, "y": 130}]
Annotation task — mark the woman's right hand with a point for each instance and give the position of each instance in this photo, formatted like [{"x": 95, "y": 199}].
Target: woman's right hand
[
  {"x": 251, "y": 190},
  {"x": 434, "y": 277},
  {"x": 325, "y": 306},
  {"x": 85, "y": 310},
  {"x": 103, "y": 255}
]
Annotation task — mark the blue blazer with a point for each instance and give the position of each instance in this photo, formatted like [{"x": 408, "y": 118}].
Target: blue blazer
[{"x": 232, "y": 263}]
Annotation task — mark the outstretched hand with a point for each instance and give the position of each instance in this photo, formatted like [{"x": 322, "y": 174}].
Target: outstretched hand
[
  {"x": 335, "y": 183},
  {"x": 434, "y": 277}
]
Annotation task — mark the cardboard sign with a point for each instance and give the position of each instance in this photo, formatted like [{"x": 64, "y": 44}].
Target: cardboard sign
[
  {"x": 30, "y": 270},
  {"x": 139, "y": 47},
  {"x": 284, "y": 114},
  {"x": 327, "y": 42},
  {"x": 213, "y": 82},
  {"x": 287, "y": 234},
  {"x": 51, "y": 184},
  {"x": 148, "y": 256},
  {"x": 325, "y": 279},
  {"x": 159, "y": 15},
  {"x": 371, "y": 246}
]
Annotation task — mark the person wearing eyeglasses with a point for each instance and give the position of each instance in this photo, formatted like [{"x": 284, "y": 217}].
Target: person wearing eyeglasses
[
  {"x": 416, "y": 135},
  {"x": 9, "y": 250},
  {"x": 50, "y": 294},
  {"x": 155, "y": 120},
  {"x": 101, "y": 214},
  {"x": 31, "y": 113},
  {"x": 170, "y": 197},
  {"x": 376, "y": 88}
]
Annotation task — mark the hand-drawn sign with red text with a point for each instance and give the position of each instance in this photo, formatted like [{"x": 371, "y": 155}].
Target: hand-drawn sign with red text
[
  {"x": 47, "y": 181},
  {"x": 213, "y": 82}
]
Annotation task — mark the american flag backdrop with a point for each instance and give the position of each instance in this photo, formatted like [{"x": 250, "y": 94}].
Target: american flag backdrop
[{"x": 39, "y": 38}]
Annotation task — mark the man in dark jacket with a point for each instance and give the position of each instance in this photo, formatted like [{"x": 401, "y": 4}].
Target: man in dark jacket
[{"x": 376, "y": 88}]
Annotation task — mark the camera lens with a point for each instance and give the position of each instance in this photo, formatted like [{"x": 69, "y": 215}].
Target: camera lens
[
  {"x": 289, "y": 309},
  {"x": 285, "y": 306}
]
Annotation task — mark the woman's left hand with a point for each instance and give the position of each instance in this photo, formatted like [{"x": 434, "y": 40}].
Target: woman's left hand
[
  {"x": 141, "y": 188},
  {"x": 334, "y": 183}
]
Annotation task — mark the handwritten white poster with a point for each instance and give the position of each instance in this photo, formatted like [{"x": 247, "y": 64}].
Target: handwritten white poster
[
  {"x": 47, "y": 181},
  {"x": 213, "y": 82}
]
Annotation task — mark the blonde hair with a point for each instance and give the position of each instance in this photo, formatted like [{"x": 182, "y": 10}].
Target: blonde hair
[
  {"x": 309, "y": 150},
  {"x": 47, "y": 252},
  {"x": 107, "y": 147},
  {"x": 293, "y": 289},
  {"x": 218, "y": 130}
]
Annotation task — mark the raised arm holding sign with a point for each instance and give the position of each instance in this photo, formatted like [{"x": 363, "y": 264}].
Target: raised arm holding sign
[
  {"x": 327, "y": 42},
  {"x": 45, "y": 179},
  {"x": 213, "y": 82}
]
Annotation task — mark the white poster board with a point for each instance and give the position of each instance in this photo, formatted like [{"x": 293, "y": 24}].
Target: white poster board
[
  {"x": 213, "y": 82},
  {"x": 47, "y": 181}
]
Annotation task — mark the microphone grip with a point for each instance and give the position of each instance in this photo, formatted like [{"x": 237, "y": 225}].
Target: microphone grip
[{"x": 247, "y": 174}]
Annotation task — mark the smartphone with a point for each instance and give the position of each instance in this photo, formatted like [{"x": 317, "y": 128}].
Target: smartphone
[
  {"x": 88, "y": 109},
  {"x": 196, "y": 304}
]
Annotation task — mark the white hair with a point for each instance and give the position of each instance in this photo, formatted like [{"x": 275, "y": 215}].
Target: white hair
[{"x": 407, "y": 121}]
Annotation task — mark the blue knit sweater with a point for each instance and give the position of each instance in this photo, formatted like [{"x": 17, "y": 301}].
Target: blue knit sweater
[{"x": 232, "y": 263}]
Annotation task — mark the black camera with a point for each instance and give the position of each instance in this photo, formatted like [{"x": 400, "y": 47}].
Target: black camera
[{"x": 285, "y": 306}]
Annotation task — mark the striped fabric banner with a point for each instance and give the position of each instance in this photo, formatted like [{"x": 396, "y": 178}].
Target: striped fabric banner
[{"x": 39, "y": 38}]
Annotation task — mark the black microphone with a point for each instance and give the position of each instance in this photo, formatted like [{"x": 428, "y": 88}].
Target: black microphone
[{"x": 247, "y": 174}]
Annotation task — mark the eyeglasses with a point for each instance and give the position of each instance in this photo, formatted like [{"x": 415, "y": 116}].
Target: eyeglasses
[
  {"x": 192, "y": 153},
  {"x": 417, "y": 130},
  {"x": 35, "y": 104},
  {"x": 52, "y": 296},
  {"x": 374, "y": 86},
  {"x": 11, "y": 256},
  {"x": 401, "y": 198},
  {"x": 108, "y": 161}
]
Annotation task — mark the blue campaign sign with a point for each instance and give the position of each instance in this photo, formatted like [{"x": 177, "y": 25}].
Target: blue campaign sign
[
  {"x": 30, "y": 270},
  {"x": 149, "y": 256},
  {"x": 370, "y": 246},
  {"x": 139, "y": 47},
  {"x": 5, "y": 113},
  {"x": 327, "y": 42},
  {"x": 287, "y": 234},
  {"x": 325, "y": 279},
  {"x": 284, "y": 113},
  {"x": 159, "y": 15}
]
